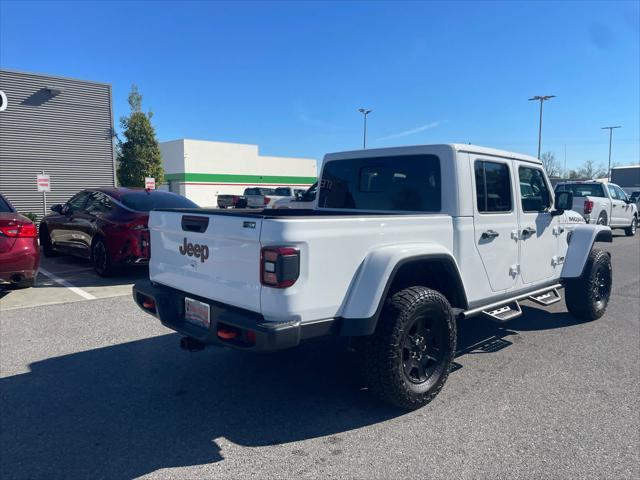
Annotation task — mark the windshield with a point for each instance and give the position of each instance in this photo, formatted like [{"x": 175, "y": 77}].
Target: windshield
[
  {"x": 4, "y": 206},
  {"x": 147, "y": 201},
  {"x": 582, "y": 189}
]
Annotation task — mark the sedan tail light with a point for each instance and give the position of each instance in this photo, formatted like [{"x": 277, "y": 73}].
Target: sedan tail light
[
  {"x": 266, "y": 200},
  {"x": 279, "y": 266},
  {"x": 23, "y": 230},
  {"x": 588, "y": 206}
]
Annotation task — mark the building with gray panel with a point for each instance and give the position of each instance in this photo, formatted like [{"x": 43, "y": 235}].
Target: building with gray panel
[{"x": 61, "y": 126}]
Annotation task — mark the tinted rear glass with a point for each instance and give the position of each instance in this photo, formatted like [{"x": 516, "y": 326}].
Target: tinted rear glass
[
  {"x": 145, "y": 202},
  {"x": 582, "y": 189},
  {"x": 259, "y": 191},
  {"x": 401, "y": 183},
  {"x": 283, "y": 192},
  {"x": 4, "y": 206}
]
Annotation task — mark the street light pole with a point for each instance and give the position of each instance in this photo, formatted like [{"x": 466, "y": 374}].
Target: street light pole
[
  {"x": 541, "y": 98},
  {"x": 364, "y": 112},
  {"x": 610, "y": 135}
]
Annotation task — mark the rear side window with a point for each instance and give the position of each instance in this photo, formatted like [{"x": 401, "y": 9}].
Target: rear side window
[
  {"x": 493, "y": 187},
  {"x": 613, "y": 192},
  {"x": 402, "y": 183},
  {"x": 4, "y": 206}
]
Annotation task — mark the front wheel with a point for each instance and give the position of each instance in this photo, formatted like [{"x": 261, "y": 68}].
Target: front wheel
[
  {"x": 630, "y": 231},
  {"x": 101, "y": 258},
  {"x": 588, "y": 295},
  {"x": 407, "y": 360},
  {"x": 45, "y": 241}
]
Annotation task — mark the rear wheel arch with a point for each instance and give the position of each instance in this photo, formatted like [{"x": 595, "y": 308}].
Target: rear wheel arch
[{"x": 437, "y": 272}]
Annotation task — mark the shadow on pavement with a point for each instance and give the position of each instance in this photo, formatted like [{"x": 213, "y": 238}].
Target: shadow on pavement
[{"x": 130, "y": 409}]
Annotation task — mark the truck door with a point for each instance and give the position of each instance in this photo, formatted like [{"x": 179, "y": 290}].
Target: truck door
[
  {"x": 495, "y": 221},
  {"x": 621, "y": 211},
  {"x": 539, "y": 230}
]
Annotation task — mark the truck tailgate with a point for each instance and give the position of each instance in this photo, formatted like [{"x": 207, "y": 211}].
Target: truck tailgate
[{"x": 212, "y": 256}]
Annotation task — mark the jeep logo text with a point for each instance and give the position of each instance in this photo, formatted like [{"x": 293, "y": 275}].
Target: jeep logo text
[{"x": 194, "y": 250}]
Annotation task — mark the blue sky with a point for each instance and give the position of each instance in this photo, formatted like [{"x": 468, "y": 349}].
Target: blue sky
[{"x": 289, "y": 76}]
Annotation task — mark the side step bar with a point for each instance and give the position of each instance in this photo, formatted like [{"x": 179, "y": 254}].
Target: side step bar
[
  {"x": 547, "y": 298},
  {"x": 504, "y": 313},
  {"x": 510, "y": 308}
]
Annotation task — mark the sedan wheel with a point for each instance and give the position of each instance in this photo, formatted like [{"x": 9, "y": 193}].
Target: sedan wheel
[{"x": 101, "y": 259}]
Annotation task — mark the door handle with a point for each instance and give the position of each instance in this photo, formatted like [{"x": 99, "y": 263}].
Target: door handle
[
  {"x": 528, "y": 231},
  {"x": 489, "y": 234}
]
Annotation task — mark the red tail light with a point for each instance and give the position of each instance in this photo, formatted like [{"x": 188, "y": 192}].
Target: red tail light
[
  {"x": 279, "y": 266},
  {"x": 266, "y": 200},
  {"x": 588, "y": 206},
  {"x": 24, "y": 230}
]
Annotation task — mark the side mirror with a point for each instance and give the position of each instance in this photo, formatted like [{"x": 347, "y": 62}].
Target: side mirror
[
  {"x": 564, "y": 201},
  {"x": 56, "y": 208}
]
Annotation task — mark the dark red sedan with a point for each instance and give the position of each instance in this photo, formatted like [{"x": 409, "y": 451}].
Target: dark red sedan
[
  {"x": 19, "y": 251},
  {"x": 106, "y": 225}
]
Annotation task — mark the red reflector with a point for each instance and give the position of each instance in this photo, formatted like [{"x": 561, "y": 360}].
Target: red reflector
[
  {"x": 149, "y": 304},
  {"x": 227, "y": 334}
]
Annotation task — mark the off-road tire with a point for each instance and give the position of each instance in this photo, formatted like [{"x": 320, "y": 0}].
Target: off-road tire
[
  {"x": 602, "y": 219},
  {"x": 101, "y": 258},
  {"x": 45, "y": 242},
  {"x": 630, "y": 231},
  {"x": 383, "y": 354},
  {"x": 587, "y": 296}
]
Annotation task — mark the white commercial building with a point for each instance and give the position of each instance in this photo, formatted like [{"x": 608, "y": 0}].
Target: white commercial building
[{"x": 201, "y": 170}]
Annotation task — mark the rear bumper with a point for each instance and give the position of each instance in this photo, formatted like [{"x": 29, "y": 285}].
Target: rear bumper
[
  {"x": 264, "y": 335},
  {"x": 20, "y": 263}
]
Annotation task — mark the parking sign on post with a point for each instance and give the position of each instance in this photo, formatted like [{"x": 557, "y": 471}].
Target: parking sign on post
[
  {"x": 44, "y": 185},
  {"x": 149, "y": 183}
]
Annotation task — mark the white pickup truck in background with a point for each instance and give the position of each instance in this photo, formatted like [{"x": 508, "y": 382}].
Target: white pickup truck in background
[
  {"x": 400, "y": 244},
  {"x": 602, "y": 204},
  {"x": 258, "y": 197}
]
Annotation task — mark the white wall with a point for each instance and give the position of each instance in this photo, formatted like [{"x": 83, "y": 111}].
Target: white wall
[{"x": 213, "y": 159}]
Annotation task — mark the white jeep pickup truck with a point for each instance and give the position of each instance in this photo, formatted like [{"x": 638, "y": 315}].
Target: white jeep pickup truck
[
  {"x": 603, "y": 204},
  {"x": 400, "y": 244}
]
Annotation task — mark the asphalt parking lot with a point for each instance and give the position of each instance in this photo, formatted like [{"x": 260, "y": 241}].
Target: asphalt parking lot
[{"x": 93, "y": 388}]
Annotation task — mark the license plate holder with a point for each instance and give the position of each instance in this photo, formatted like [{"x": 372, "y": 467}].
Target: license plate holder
[{"x": 197, "y": 313}]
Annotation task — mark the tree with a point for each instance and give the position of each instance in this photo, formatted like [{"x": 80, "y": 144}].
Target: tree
[
  {"x": 551, "y": 164},
  {"x": 590, "y": 170},
  {"x": 139, "y": 155}
]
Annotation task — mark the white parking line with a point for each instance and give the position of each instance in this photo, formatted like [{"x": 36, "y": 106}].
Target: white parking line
[{"x": 66, "y": 284}]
